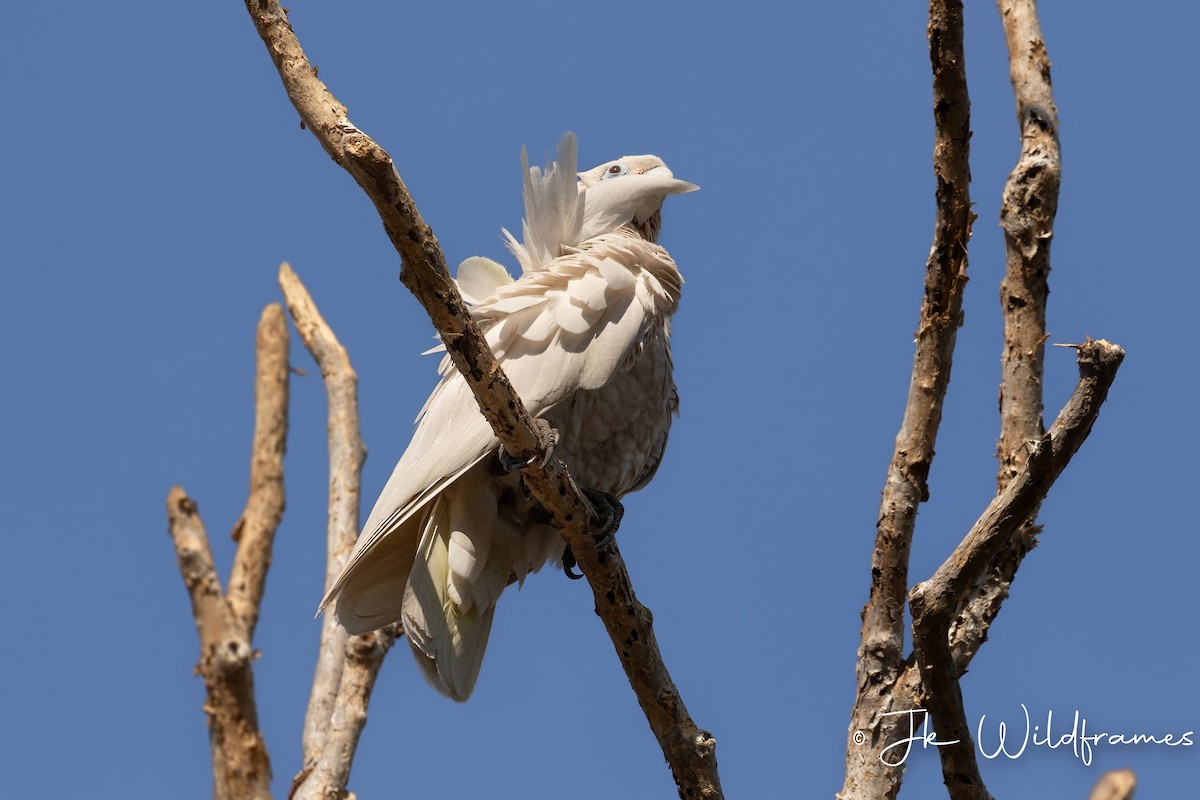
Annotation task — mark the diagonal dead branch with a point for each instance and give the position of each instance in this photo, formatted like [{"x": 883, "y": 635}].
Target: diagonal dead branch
[
  {"x": 936, "y": 601},
  {"x": 880, "y": 655},
  {"x": 1027, "y": 216},
  {"x": 225, "y": 622},
  {"x": 688, "y": 750}
]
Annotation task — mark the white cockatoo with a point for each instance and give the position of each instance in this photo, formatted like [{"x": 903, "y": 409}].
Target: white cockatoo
[{"x": 584, "y": 336}]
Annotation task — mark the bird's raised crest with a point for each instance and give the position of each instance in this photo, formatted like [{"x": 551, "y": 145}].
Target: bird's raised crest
[{"x": 553, "y": 207}]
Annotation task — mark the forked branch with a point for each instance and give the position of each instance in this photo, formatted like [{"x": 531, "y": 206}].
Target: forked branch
[
  {"x": 225, "y": 621},
  {"x": 1027, "y": 214},
  {"x": 936, "y": 601}
]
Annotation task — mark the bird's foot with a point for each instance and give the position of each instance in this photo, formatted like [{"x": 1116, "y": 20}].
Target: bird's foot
[
  {"x": 611, "y": 511},
  {"x": 547, "y": 435}
]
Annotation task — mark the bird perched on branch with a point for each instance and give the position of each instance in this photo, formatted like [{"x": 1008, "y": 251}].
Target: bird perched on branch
[{"x": 584, "y": 336}]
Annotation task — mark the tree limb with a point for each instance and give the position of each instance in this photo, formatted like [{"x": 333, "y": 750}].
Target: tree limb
[
  {"x": 225, "y": 622},
  {"x": 255, "y": 529},
  {"x": 1027, "y": 216},
  {"x": 935, "y": 601},
  {"x": 880, "y": 654},
  {"x": 327, "y": 775},
  {"x": 688, "y": 750},
  {"x": 346, "y": 666}
]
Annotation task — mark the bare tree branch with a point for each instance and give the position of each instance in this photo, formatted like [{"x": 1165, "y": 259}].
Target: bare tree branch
[
  {"x": 326, "y": 777},
  {"x": 688, "y": 750},
  {"x": 1027, "y": 216},
  {"x": 936, "y": 601},
  {"x": 255, "y": 530},
  {"x": 880, "y": 655},
  {"x": 225, "y": 622},
  {"x": 1116, "y": 784},
  {"x": 346, "y": 666},
  {"x": 346, "y": 456}
]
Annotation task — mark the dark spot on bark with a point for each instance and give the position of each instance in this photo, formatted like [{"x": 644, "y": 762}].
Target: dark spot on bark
[{"x": 610, "y": 597}]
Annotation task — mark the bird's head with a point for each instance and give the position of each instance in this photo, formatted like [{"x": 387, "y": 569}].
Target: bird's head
[{"x": 629, "y": 190}]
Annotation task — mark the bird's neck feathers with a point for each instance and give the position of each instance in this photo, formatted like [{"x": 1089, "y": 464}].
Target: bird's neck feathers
[{"x": 650, "y": 227}]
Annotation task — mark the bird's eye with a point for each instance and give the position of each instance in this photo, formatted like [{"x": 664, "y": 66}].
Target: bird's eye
[{"x": 615, "y": 171}]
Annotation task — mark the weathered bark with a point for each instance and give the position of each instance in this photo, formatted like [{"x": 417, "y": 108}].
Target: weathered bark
[
  {"x": 880, "y": 654},
  {"x": 226, "y": 621},
  {"x": 935, "y": 601},
  {"x": 1027, "y": 216}
]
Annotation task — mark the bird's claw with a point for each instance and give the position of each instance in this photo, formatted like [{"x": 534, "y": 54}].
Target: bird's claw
[
  {"x": 569, "y": 563},
  {"x": 546, "y": 434},
  {"x": 611, "y": 511}
]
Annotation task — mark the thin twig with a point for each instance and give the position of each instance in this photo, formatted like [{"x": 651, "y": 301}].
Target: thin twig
[
  {"x": 880, "y": 654},
  {"x": 688, "y": 750},
  {"x": 225, "y": 622},
  {"x": 935, "y": 601},
  {"x": 1027, "y": 216}
]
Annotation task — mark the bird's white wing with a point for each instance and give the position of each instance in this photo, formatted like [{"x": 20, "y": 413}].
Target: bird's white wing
[
  {"x": 452, "y": 435},
  {"x": 565, "y": 328},
  {"x": 575, "y": 323},
  {"x": 553, "y": 208}
]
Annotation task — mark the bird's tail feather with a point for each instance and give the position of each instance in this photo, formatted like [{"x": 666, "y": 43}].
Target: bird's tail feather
[{"x": 448, "y": 643}]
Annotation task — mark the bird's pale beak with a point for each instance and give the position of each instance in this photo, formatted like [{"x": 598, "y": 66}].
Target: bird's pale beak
[{"x": 668, "y": 183}]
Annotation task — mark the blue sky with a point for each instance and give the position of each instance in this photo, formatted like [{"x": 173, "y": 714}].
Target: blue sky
[{"x": 155, "y": 176}]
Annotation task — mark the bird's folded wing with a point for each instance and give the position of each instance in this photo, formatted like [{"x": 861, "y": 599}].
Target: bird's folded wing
[
  {"x": 573, "y": 325},
  {"x": 563, "y": 329}
]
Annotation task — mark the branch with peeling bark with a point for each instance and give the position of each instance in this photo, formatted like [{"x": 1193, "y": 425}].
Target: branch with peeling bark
[
  {"x": 953, "y": 610},
  {"x": 880, "y": 654},
  {"x": 226, "y": 620},
  {"x": 1027, "y": 215},
  {"x": 689, "y": 750}
]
